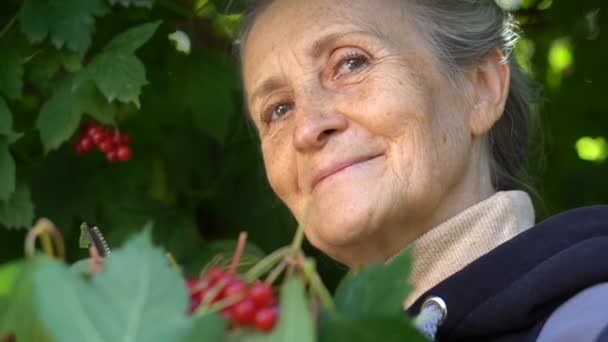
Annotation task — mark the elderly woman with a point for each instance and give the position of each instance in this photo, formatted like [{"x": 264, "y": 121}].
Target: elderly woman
[{"x": 393, "y": 123}]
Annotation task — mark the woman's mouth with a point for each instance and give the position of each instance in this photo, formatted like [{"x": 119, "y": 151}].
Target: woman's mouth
[{"x": 325, "y": 172}]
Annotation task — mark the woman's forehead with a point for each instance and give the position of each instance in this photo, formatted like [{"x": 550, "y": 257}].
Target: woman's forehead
[
  {"x": 304, "y": 18},
  {"x": 303, "y": 27}
]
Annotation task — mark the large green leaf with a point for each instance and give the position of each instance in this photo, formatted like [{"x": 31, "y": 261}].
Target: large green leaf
[
  {"x": 11, "y": 71},
  {"x": 18, "y": 210},
  {"x": 116, "y": 71},
  {"x": 67, "y": 22},
  {"x": 371, "y": 329},
  {"x": 295, "y": 321},
  {"x": 138, "y": 297},
  {"x": 376, "y": 290},
  {"x": 7, "y": 171},
  {"x": 59, "y": 118},
  {"x": 9, "y": 273},
  {"x": 20, "y": 315},
  {"x": 134, "y": 3}
]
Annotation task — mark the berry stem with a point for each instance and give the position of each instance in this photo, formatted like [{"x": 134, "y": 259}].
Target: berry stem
[
  {"x": 296, "y": 245},
  {"x": 171, "y": 260},
  {"x": 240, "y": 248},
  {"x": 267, "y": 263},
  {"x": 219, "y": 306},
  {"x": 317, "y": 287},
  {"x": 276, "y": 272}
]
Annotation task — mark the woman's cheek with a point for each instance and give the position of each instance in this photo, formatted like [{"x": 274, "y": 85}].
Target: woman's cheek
[{"x": 281, "y": 168}]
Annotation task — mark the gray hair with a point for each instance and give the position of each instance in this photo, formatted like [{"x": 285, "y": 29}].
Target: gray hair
[{"x": 462, "y": 34}]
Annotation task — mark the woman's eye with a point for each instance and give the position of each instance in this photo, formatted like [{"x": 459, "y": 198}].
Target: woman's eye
[
  {"x": 276, "y": 112},
  {"x": 281, "y": 110},
  {"x": 350, "y": 64}
]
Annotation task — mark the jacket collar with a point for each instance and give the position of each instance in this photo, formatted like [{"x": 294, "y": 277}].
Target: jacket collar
[
  {"x": 454, "y": 244},
  {"x": 517, "y": 285}
]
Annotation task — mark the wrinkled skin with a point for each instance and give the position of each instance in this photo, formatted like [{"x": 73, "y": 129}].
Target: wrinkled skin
[{"x": 363, "y": 136}]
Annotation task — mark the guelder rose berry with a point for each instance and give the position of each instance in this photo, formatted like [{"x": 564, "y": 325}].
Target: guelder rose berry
[
  {"x": 245, "y": 311},
  {"x": 240, "y": 304},
  {"x": 261, "y": 294},
  {"x": 266, "y": 318},
  {"x": 112, "y": 142}
]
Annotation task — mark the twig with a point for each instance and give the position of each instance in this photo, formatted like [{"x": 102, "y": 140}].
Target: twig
[
  {"x": 49, "y": 234},
  {"x": 317, "y": 286},
  {"x": 240, "y": 248},
  {"x": 266, "y": 264},
  {"x": 276, "y": 272},
  {"x": 8, "y": 26},
  {"x": 96, "y": 260},
  {"x": 296, "y": 245}
]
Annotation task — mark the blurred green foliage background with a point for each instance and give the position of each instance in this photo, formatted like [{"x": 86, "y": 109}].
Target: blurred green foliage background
[{"x": 197, "y": 171}]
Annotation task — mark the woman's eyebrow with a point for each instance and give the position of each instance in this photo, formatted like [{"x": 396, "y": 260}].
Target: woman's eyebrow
[
  {"x": 322, "y": 43},
  {"x": 268, "y": 85}
]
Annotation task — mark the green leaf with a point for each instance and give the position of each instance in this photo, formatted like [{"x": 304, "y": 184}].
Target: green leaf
[
  {"x": 67, "y": 22},
  {"x": 134, "y": 3},
  {"x": 295, "y": 321},
  {"x": 133, "y": 38},
  {"x": 11, "y": 71},
  {"x": 18, "y": 211},
  {"x": 44, "y": 66},
  {"x": 210, "y": 327},
  {"x": 6, "y": 118},
  {"x": 118, "y": 76},
  {"x": 138, "y": 297},
  {"x": 20, "y": 316},
  {"x": 59, "y": 118},
  {"x": 71, "y": 61},
  {"x": 376, "y": 290},
  {"x": 371, "y": 329},
  {"x": 9, "y": 273},
  {"x": 117, "y": 72},
  {"x": 206, "y": 84},
  {"x": 88, "y": 99},
  {"x": 7, "y": 172}
]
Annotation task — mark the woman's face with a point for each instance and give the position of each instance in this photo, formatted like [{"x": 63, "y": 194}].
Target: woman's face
[{"x": 363, "y": 136}]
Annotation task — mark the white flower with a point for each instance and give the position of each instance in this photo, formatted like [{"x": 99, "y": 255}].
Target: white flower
[{"x": 181, "y": 41}]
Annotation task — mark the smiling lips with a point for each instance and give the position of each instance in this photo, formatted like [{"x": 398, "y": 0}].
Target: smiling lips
[{"x": 325, "y": 172}]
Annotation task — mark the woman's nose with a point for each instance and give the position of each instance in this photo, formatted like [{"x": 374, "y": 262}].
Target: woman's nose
[{"x": 315, "y": 127}]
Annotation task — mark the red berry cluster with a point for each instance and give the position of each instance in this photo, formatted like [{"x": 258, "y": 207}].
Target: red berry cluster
[
  {"x": 253, "y": 306},
  {"x": 114, "y": 143}
]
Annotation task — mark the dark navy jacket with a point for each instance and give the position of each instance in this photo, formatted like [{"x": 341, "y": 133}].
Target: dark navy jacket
[{"x": 508, "y": 294}]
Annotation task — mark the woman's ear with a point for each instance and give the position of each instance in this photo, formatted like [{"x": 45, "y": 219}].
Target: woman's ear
[{"x": 490, "y": 84}]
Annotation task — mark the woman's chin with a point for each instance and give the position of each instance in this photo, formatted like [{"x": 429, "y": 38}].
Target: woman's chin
[{"x": 341, "y": 228}]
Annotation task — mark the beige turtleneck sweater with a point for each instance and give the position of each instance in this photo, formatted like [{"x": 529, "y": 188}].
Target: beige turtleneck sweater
[{"x": 452, "y": 245}]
